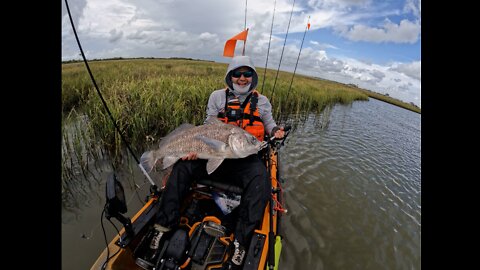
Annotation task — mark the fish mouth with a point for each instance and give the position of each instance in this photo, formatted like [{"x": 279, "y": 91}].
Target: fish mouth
[{"x": 263, "y": 145}]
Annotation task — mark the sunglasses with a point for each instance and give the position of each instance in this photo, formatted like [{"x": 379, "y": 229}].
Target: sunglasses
[{"x": 246, "y": 74}]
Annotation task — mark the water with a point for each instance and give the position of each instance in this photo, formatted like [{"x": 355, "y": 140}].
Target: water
[
  {"x": 353, "y": 191},
  {"x": 353, "y": 194}
]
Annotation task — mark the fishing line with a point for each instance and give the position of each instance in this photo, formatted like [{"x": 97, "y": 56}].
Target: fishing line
[
  {"x": 281, "y": 56},
  {"x": 118, "y": 130},
  {"x": 296, "y": 64},
  {"x": 245, "y": 27},
  {"x": 268, "y": 50},
  {"x": 103, "y": 100}
]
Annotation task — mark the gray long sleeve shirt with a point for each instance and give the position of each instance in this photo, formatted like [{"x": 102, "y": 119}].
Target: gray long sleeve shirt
[{"x": 216, "y": 104}]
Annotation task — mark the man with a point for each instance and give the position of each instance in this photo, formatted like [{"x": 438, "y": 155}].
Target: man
[{"x": 239, "y": 104}]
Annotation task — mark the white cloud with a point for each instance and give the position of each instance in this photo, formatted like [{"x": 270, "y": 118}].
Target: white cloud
[
  {"x": 115, "y": 35},
  {"x": 413, "y": 6},
  {"x": 337, "y": 3},
  {"x": 412, "y": 69},
  {"x": 391, "y": 79},
  {"x": 404, "y": 32},
  {"x": 139, "y": 34},
  {"x": 181, "y": 28},
  {"x": 207, "y": 36},
  {"x": 322, "y": 45},
  {"x": 76, "y": 8},
  {"x": 100, "y": 17}
]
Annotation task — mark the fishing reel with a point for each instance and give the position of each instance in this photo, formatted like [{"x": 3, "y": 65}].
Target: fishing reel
[
  {"x": 286, "y": 129},
  {"x": 274, "y": 142}
]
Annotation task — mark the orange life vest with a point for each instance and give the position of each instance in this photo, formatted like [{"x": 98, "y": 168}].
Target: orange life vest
[{"x": 244, "y": 115}]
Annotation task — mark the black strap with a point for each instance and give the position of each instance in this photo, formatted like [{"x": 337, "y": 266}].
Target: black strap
[
  {"x": 253, "y": 98},
  {"x": 226, "y": 99},
  {"x": 245, "y": 116},
  {"x": 253, "y": 108},
  {"x": 249, "y": 116},
  {"x": 244, "y": 104}
]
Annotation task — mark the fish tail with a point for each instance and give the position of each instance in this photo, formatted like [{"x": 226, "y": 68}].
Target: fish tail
[{"x": 148, "y": 160}]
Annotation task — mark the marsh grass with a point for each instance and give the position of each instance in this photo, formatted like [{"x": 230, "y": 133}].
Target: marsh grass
[
  {"x": 148, "y": 98},
  {"x": 385, "y": 98}
]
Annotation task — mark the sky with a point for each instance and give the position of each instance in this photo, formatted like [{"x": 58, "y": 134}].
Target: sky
[{"x": 374, "y": 44}]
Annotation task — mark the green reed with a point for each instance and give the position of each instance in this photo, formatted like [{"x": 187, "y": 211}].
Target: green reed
[{"x": 148, "y": 98}]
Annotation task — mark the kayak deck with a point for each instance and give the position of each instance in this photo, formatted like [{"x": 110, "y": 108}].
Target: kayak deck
[{"x": 208, "y": 230}]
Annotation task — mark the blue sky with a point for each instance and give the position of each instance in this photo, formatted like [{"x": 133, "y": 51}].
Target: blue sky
[{"x": 373, "y": 44}]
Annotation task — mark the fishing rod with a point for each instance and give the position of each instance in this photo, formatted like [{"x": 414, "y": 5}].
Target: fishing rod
[
  {"x": 281, "y": 56},
  {"x": 268, "y": 50},
  {"x": 154, "y": 186},
  {"x": 245, "y": 27},
  {"x": 298, "y": 58}
]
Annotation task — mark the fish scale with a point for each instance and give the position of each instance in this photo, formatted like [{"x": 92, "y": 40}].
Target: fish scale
[{"x": 183, "y": 144}]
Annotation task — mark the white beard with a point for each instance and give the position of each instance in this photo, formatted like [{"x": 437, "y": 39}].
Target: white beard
[{"x": 241, "y": 90}]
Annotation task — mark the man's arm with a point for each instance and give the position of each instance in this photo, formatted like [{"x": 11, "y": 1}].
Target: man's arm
[
  {"x": 265, "y": 110},
  {"x": 216, "y": 103}
]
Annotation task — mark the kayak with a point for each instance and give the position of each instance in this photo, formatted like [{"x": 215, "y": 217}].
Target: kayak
[{"x": 203, "y": 238}]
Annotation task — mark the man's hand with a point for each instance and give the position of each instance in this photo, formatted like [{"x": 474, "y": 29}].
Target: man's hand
[
  {"x": 279, "y": 133},
  {"x": 190, "y": 156}
]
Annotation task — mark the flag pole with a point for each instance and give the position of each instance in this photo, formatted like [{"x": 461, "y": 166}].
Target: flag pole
[
  {"x": 245, "y": 27},
  {"x": 244, "y": 44}
]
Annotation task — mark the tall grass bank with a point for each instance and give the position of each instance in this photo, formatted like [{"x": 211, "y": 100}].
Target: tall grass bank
[{"x": 150, "y": 97}]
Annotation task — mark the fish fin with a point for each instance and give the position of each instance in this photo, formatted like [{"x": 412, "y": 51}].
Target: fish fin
[
  {"x": 148, "y": 160},
  {"x": 216, "y": 145},
  {"x": 213, "y": 121},
  {"x": 172, "y": 135},
  {"x": 169, "y": 161},
  {"x": 183, "y": 127},
  {"x": 213, "y": 163}
]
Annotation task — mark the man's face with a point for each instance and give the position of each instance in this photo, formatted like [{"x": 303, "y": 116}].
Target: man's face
[{"x": 242, "y": 76}]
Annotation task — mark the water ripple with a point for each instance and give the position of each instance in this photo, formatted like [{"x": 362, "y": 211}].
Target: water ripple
[{"x": 353, "y": 191}]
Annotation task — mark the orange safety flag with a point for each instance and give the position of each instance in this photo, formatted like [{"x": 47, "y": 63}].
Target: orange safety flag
[
  {"x": 229, "y": 49},
  {"x": 308, "y": 26}
]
